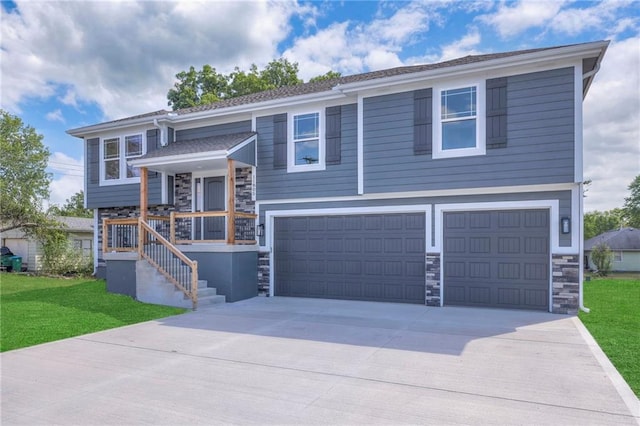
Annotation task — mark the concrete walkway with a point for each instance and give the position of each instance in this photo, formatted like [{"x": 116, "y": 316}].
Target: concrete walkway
[{"x": 299, "y": 361}]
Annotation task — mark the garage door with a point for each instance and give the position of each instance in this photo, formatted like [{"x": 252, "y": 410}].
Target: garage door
[
  {"x": 497, "y": 259},
  {"x": 357, "y": 257}
]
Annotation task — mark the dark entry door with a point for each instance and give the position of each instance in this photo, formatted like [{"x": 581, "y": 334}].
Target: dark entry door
[{"x": 213, "y": 200}]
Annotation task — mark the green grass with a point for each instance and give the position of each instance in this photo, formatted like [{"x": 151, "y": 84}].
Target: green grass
[
  {"x": 614, "y": 321},
  {"x": 35, "y": 310}
]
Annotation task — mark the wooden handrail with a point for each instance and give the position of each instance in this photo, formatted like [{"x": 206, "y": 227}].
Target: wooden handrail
[
  {"x": 166, "y": 243},
  {"x": 192, "y": 293}
]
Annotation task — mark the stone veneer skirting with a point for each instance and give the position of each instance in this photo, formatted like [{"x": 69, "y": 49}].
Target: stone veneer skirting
[
  {"x": 263, "y": 273},
  {"x": 565, "y": 283},
  {"x": 432, "y": 279}
]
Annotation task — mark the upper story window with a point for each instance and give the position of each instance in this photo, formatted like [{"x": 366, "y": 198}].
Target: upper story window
[
  {"x": 306, "y": 142},
  {"x": 114, "y": 153},
  {"x": 459, "y": 123}
]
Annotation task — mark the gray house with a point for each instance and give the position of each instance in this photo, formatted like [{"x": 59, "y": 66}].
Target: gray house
[
  {"x": 454, "y": 183},
  {"x": 624, "y": 244}
]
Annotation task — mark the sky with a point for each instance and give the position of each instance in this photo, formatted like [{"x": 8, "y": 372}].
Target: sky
[{"x": 68, "y": 64}]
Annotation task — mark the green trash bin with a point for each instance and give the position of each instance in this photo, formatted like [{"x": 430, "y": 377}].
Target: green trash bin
[{"x": 16, "y": 263}]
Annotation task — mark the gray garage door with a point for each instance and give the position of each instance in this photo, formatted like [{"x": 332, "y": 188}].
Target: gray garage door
[
  {"x": 358, "y": 257},
  {"x": 497, "y": 259}
]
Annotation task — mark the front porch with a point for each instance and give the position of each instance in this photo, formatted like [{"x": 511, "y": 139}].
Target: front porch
[{"x": 192, "y": 240}]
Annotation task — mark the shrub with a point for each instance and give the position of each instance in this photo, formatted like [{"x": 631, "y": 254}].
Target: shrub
[{"x": 602, "y": 258}]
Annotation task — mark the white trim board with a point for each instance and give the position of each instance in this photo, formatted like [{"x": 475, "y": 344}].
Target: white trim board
[{"x": 431, "y": 193}]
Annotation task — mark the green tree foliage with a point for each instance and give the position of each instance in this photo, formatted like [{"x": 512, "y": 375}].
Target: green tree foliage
[
  {"x": 602, "y": 258},
  {"x": 73, "y": 207},
  {"x": 632, "y": 204},
  {"x": 328, "y": 76},
  {"x": 199, "y": 87},
  {"x": 597, "y": 222},
  {"x": 24, "y": 183}
]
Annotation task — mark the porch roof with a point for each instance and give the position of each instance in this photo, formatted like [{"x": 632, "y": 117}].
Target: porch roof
[{"x": 200, "y": 153}]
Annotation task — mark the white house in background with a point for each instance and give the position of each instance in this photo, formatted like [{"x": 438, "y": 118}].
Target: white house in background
[
  {"x": 79, "y": 232},
  {"x": 625, "y": 246}
]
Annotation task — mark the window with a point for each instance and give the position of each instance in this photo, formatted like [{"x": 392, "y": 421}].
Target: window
[
  {"x": 115, "y": 153},
  {"x": 306, "y": 142},
  {"x": 617, "y": 256},
  {"x": 459, "y": 121}
]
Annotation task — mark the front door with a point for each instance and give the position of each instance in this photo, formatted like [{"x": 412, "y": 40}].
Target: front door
[
  {"x": 210, "y": 196},
  {"x": 213, "y": 200}
]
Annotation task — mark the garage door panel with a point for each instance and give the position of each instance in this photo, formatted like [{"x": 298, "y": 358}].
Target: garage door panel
[
  {"x": 505, "y": 264},
  {"x": 479, "y": 220},
  {"x": 536, "y": 245},
  {"x": 414, "y": 245},
  {"x": 348, "y": 262},
  {"x": 479, "y": 295},
  {"x": 535, "y": 298}
]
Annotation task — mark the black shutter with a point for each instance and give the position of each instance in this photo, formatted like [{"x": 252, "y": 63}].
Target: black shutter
[
  {"x": 496, "y": 113},
  {"x": 153, "y": 142},
  {"x": 422, "y": 122},
  {"x": 280, "y": 141},
  {"x": 93, "y": 160},
  {"x": 333, "y": 134}
]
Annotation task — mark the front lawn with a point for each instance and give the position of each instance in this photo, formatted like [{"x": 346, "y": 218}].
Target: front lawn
[
  {"x": 35, "y": 310},
  {"x": 614, "y": 321}
]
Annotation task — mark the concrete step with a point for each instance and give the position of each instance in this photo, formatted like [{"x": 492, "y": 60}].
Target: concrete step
[
  {"x": 202, "y": 284},
  {"x": 211, "y": 300},
  {"x": 209, "y": 291}
]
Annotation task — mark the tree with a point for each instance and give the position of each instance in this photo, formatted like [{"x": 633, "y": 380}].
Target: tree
[
  {"x": 24, "y": 183},
  {"x": 602, "y": 258},
  {"x": 74, "y": 207},
  {"x": 330, "y": 75},
  {"x": 279, "y": 73},
  {"x": 597, "y": 222},
  {"x": 199, "y": 87},
  {"x": 632, "y": 204}
]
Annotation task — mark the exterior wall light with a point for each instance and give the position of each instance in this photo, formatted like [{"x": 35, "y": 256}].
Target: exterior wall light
[
  {"x": 260, "y": 230},
  {"x": 565, "y": 223}
]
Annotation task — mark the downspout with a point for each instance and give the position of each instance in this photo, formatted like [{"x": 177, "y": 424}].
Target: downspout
[
  {"x": 581, "y": 249},
  {"x": 592, "y": 72},
  {"x": 163, "y": 132},
  {"x": 583, "y": 308}
]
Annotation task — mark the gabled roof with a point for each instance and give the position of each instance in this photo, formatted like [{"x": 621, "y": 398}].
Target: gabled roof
[
  {"x": 195, "y": 146},
  {"x": 591, "y": 52},
  {"x": 619, "y": 240},
  {"x": 76, "y": 224}
]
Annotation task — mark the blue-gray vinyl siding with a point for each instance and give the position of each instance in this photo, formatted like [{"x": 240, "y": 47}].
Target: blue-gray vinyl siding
[
  {"x": 246, "y": 154},
  {"x": 129, "y": 194},
  {"x": 336, "y": 180},
  {"x": 563, "y": 197},
  {"x": 539, "y": 148},
  {"x": 215, "y": 130},
  {"x": 115, "y": 195}
]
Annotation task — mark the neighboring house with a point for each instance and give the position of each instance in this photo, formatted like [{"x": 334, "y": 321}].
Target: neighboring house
[
  {"x": 80, "y": 232},
  {"x": 455, "y": 183},
  {"x": 625, "y": 249}
]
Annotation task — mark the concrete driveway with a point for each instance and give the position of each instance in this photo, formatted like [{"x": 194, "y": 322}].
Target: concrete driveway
[{"x": 297, "y": 361}]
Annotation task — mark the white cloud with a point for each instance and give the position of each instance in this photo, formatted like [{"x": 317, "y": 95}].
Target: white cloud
[
  {"x": 124, "y": 55},
  {"x": 600, "y": 16},
  {"x": 353, "y": 47},
  {"x": 513, "y": 20},
  {"x": 465, "y": 46},
  {"x": 68, "y": 178},
  {"x": 612, "y": 126},
  {"x": 55, "y": 115}
]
